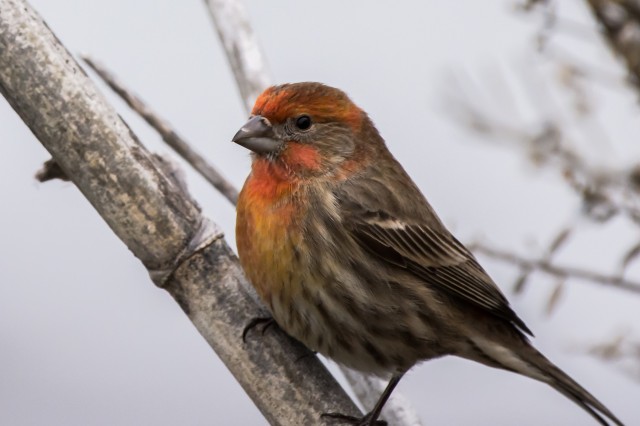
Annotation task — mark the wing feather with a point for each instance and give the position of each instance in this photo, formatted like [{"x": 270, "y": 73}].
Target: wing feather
[
  {"x": 387, "y": 215},
  {"x": 437, "y": 258}
]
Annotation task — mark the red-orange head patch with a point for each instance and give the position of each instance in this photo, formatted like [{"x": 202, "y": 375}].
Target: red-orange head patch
[{"x": 322, "y": 103}]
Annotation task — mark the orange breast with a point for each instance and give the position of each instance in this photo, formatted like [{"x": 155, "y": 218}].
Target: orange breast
[{"x": 268, "y": 229}]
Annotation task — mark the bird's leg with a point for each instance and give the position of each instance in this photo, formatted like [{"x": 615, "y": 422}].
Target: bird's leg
[
  {"x": 371, "y": 419},
  {"x": 367, "y": 420},
  {"x": 267, "y": 321}
]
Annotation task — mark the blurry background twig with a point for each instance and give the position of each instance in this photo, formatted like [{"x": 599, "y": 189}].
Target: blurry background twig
[
  {"x": 562, "y": 131},
  {"x": 620, "y": 22}
]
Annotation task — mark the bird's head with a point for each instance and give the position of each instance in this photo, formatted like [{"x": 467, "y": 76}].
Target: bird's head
[{"x": 309, "y": 128}]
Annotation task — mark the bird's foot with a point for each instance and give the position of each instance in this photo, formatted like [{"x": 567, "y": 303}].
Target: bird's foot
[
  {"x": 265, "y": 321},
  {"x": 367, "y": 420}
]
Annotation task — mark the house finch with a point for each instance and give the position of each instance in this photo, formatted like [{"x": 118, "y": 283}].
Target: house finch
[{"x": 352, "y": 260}]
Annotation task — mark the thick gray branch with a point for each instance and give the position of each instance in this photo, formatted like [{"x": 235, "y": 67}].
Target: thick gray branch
[
  {"x": 154, "y": 218},
  {"x": 93, "y": 146}
]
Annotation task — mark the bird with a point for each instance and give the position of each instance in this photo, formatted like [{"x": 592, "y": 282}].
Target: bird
[{"x": 351, "y": 259}]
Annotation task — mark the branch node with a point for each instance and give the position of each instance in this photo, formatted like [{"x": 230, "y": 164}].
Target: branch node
[
  {"x": 206, "y": 234},
  {"x": 51, "y": 170}
]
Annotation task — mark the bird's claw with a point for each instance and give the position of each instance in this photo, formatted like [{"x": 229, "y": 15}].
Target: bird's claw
[
  {"x": 267, "y": 321},
  {"x": 354, "y": 421}
]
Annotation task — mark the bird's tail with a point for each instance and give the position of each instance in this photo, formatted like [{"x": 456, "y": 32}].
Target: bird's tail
[
  {"x": 527, "y": 361},
  {"x": 564, "y": 384}
]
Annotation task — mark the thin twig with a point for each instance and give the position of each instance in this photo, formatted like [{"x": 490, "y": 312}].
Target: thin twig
[
  {"x": 245, "y": 56},
  {"x": 604, "y": 192},
  {"x": 620, "y": 20},
  {"x": 168, "y": 134},
  {"x": 622, "y": 350},
  {"x": 556, "y": 270},
  {"x": 369, "y": 388},
  {"x": 559, "y": 241}
]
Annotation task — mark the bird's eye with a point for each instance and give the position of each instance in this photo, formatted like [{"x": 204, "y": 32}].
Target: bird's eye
[{"x": 303, "y": 122}]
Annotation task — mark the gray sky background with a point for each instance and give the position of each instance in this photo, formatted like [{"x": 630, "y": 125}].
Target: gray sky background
[{"x": 86, "y": 339}]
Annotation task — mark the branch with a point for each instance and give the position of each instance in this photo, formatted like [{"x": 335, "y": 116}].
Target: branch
[
  {"x": 397, "y": 411},
  {"x": 604, "y": 192},
  {"x": 559, "y": 271},
  {"x": 182, "y": 250},
  {"x": 245, "y": 57},
  {"x": 622, "y": 350},
  {"x": 558, "y": 242},
  {"x": 50, "y": 170},
  {"x": 170, "y": 136},
  {"x": 620, "y": 20}
]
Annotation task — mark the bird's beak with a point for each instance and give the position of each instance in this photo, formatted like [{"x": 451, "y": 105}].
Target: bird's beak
[{"x": 257, "y": 135}]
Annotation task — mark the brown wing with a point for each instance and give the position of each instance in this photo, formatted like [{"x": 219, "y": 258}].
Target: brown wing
[
  {"x": 437, "y": 258},
  {"x": 395, "y": 223}
]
